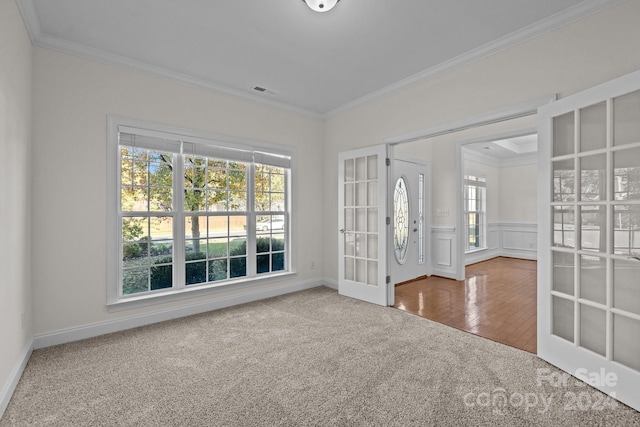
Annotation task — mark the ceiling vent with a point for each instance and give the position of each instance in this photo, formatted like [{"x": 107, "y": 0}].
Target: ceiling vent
[{"x": 265, "y": 90}]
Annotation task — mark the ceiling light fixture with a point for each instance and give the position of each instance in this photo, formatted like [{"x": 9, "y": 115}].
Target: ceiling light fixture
[{"x": 321, "y": 5}]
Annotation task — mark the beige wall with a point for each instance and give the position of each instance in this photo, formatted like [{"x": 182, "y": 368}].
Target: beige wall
[
  {"x": 15, "y": 220},
  {"x": 575, "y": 57},
  {"x": 73, "y": 97}
]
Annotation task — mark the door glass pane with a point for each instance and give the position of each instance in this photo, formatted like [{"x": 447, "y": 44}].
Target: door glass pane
[
  {"x": 564, "y": 181},
  {"x": 593, "y": 170},
  {"x": 563, "y": 134},
  {"x": 361, "y": 194},
  {"x": 361, "y": 169},
  {"x": 372, "y": 193},
  {"x": 349, "y": 195},
  {"x": 349, "y": 170},
  {"x": 562, "y": 312},
  {"x": 420, "y": 218},
  {"x": 593, "y": 278},
  {"x": 593, "y": 228},
  {"x": 372, "y": 167},
  {"x": 593, "y": 325},
  {"x": 372, "y": 220},
  {"x": 626, "y": 341},
  {"x": 400, "y": 220},
  {"x": 564, "y": 226},
  {"x": 626, "y": 119},
  {"x": 563, "y": 270},
  {"x": 626, "y": 285},
  {"x": 372, "y": 272},
  {"x": 626, "y": 170},
  {"x": 626, "y": 230},
  {"x": 593, "y": 127}
]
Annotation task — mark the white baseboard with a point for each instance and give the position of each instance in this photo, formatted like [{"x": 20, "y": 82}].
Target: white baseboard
[
  {"x": 101, "y": 328},
  {"x": 333, "y": 284},
  {"x": 16, "y": 373}
]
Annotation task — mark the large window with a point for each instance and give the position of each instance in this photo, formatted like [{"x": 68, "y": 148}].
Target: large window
[
  {"x": 194, "y": 211},
  {"x": 475, "y": 190}
]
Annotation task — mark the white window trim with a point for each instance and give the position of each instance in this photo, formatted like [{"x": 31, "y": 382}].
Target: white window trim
[
  {"x": 483, "y": 233},
  {"x": 114, "y": 301}
]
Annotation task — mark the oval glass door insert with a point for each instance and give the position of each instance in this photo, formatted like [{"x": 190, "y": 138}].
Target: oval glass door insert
[{"x": 400, "y": 220}]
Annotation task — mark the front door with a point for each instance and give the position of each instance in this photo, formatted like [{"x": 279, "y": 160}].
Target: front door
[
  {"x": 408, "y": 240},
  {"x": 362, "y": 224},
  {"x": 589, "y": 236}
]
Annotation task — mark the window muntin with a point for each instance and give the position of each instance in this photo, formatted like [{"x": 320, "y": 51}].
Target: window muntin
[
  {"x": 475, "y": 190},
  {"x": 191, "y": 217}
]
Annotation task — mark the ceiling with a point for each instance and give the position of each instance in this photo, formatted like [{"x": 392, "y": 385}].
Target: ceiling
[
  {"x": 315, "y": 63},
  {"x": 505, "y": 152}
]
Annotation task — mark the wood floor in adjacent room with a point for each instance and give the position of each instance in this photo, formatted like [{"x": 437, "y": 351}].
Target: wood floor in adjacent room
[{"x": 496, "y": 301}]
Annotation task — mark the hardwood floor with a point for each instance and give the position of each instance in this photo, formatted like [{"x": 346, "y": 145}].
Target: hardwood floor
[{"x": 498, "y": 301}]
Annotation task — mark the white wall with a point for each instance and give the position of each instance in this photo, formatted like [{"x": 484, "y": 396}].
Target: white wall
[
  {"x": 567, "y": 60},
  {"x": 73, "y": 97},
  {"x": 15, "y": 238},
  {"x": 519, "y": 193}
]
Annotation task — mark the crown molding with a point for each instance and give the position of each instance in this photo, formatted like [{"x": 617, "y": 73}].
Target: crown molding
[
  {"x": 529, "y": 32},
  {"x": 556, "y": 21}
]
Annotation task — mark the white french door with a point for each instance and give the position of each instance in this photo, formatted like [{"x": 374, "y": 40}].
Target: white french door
[
  {"x": 589, "y": 236},
  {"x": 362, "y": 224}
]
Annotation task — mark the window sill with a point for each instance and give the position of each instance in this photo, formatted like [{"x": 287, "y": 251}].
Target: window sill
[
  {"x": 161, "y": 297},
  {"x": 473, "y": 251}
]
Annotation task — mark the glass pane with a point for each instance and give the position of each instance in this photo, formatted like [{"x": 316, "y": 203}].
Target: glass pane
[
  {"x": 349, "y": 269},
  {"x": 400, "y": 220},
  {"x": 349, "y": 220},
  {"x": 361, "y": 169},
  {"x": 349, "y": 195},
  {"x": 161, "y": 277},
  {"x": 564, "y": 181},
  {"x": 372, "y": 167},
  {"x": 594, "y": 220},
  {"x": 372, "y": 246},
  {"x": 277, "y": 261},
  {"x": 593, "y": 278},
  {"x": 563, "y": 316},
  {"x": 217, "y": 270},
  {"x": 162, "y": 249},
  {"x": 135, "y": 280},
  {"x": 237, "y": 201},
  {"x": 626, "y": 341},
  {"x": 626, "y": 230},
  {"x": 564, "y": 226},
  {"x": 350, "y": 244},
  {"x": 626, "y": 174},
  {"x": 238, "y": 267},
  {"x": 372, "y": 193},
  {"x": 361, "y": 220},
  {"x": 218, "y": 248},
  {"x": 593, "y": 174},
  {"x": 593, "y": 127},
  {"x": 361, "y": 249},
  {"x": 263, "y": 244},
  {"x": 133, "y": 199},
  {"x": 361, "y": 194},
  {"x": 262, "y": 263},
  {"x": 626, "y": 285},
  {"x": 372, "y": 272},
  {"x": 216, "y": 201},
  {"x": 361, "y": 271},
  {"x": 563, "y": 134},
  {"x": 196, "y": 272},
  {"x": 238, "y": 226},
  {"x": 195, "y": 226},
  {"x": 626, "y": 119},
  {"x": 160, "y": 199},
  {"x": 194, "y": 200},
  {"x": 372, "y": 220},
  {"x": 563, "y": 272},
  {"x": 349, "y": 170},
  {"x": 593, "y": 328},
  {"x": 217, "y": 226}
]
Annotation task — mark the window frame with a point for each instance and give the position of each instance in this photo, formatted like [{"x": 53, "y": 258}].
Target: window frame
[
  {"x": 480, "y": 184},
  {"x": 259, "y": 150}
]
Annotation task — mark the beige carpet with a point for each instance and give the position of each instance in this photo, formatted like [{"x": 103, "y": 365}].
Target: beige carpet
[{"x": 309, "y": 358}]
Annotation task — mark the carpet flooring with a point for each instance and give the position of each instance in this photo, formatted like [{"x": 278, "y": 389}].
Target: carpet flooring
[{"x": 308, "y": 358}]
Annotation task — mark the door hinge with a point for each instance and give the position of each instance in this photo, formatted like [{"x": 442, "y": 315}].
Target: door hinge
[
  {"x": 388, "y": 221},
  {"x": 387, "y": 161},
  {"x": 388, "y": 279}
]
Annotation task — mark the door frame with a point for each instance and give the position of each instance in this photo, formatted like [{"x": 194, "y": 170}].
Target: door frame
[
  {"x": 524, "y": 109},
  {"x": 460, "y": 158}
]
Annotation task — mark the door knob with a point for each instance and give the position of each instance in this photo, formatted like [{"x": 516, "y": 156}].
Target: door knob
[{"x": 342, "y": 230}]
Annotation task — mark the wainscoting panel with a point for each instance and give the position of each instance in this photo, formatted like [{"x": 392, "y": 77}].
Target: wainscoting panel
[
  {"x": 509, "y": 239},
  {"x": 444, "y": 251}
]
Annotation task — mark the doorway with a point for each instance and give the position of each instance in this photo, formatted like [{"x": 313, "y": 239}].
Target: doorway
[{"x": 409, "y": 221}]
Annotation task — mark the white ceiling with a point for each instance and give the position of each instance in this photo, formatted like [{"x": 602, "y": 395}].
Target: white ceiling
[
  {"x": 316, "y": 63},
  {"x": 504, "y": 152}
]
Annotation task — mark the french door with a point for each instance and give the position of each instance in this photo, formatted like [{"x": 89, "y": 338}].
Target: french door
[
  {"x": 589, "y": 236},
  {"x": 362, "y": 224}
]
